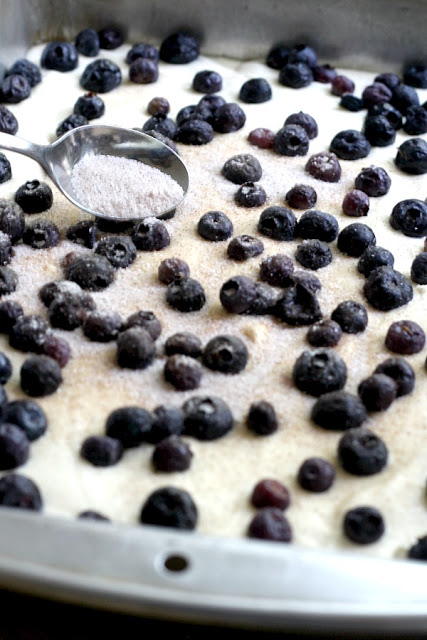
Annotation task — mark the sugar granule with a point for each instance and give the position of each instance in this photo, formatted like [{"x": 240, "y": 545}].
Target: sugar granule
[{"x": 123, "y": 188}]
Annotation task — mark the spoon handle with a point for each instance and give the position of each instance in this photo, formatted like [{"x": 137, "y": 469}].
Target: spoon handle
[{"x": 27, "y": 148}]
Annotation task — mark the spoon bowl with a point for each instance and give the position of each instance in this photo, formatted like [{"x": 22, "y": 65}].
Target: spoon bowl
[{"x": 59, "y": 158}]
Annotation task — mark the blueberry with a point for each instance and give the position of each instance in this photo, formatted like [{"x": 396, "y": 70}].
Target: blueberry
[
  {"x": 14, "y": 89},
  {"x": 350, "y": 145},
  {"x": 3, "y": 400},
  {"x": 161, "y": 123},
  {"x": 418, "y": 551},
  {"x": 269, "y": 492},
  {"x": 110, "y": 37},
  {"x": 131, "y": 426},
  {"x": 351, "y": 103},
  {"x": 150, "y": 234},
  {"x": 316, "y": 475},
  {"x": 301, "y": 196},
  {"x": 363, "y": 525},
  {"x": 167, "y": 421},
  {"x": 12, "y": 219},
  {"x": 262, "y": 419},
  {"x": 419, "y": 268},
  {"x": 342, "y": 85},
  {"x": 269, "y": 523},
  {"x": 185, "y": 295},
  {"x": 387, "y": 289},
  {"x": 277, "y": 270},
  {"x": 207, "y": 417},
  {"x": 306, "y": 121},
  {"x": 255, "y": 91},
  {"x": 142, "y": 50},
  {"x": 101, "y": 451},
  {"x": 101, "y": 326},
  {"x": 40, "y": 376},
  {"x": 401, "y": 372},
  {"x": 411, "y": 156},
  {"x": 313, "y": 254},
  {"x": 196, "y": 132},
  {"x": 42, "y": 234},
  {"x": 374, "y": 257},
  {"x": 295, "y": 75},
  {"x": 179, "y": 48},
  {"x": 167, "y": 141},
  {"x": 319, "y": 371},
  {"x": 8, "y": 281},
  {"x": 57, "y": 348},
  {"x": 237, "y": 294},
  {"x": 244, "y": 247},
  {"x": 5, "y": 368},
  {"x": 317, "y": 225},
  {"x": 354, "y": 239},
  {"x": 391, "y": 80},
  {"x": 325, "y": 333},
  {"x": 28, "y": 333},
  {"x": 242, "y": 168},
  {"x": 278, "y": 223},
  {"x": 60, "y": 56},
  {"x": 416, "y": 121},
  {"x": 8, "y": 122},
  {"x": 265, "y": 300},
  {"x": 6, "y": 249},
  {"x": 277, "y": 57},
  {"x": 262, "y": 138},
  {"x": 143, "y": 71},
  {"x": 338, "y": 411},
  {"x": 87, "y": 43},
  {"x": 91, "y": 272},
  {"x": 405, "y": 337},
  {"x": 5, "y": 169},
  {"x": 225, "y": 353},
  {"x": 361, "y": 452},
  {"x": 376, "y": 93},
  {"x": 135, "y": 348},
  {"x": 324, "y": 73},
  {"x": 308, "y": 280},
  {"x": 172, "y": 454},
  {"x": 19, "y": 491},
  {"x": 415, "y": 75},
  {"x": 170, "y": 507},
  {"x": 379, "y": 131},
  {"x": 228, "y": 118},
  {"x": 351, "y": 316},
  {"x": 34, "y": 196},
  {"x": 303, "y": 53},
  {"x": 90, "y": 106},
  {"x": 355, "y": 204},
  {"x": 374, "y": 181},
  {"x": 185, "y": 343},
  {"x": 120, "y": 251},
  {"x": 171, "y": 269},
  {"x": 298, "y": 306},
  {"x": 207, "y": 81},
  {"x": 68, "y": 310},
  {"x": 101, "y": 76},
  {"x": 145, "y": 319},
  {"x": 377, "y": 392},
  {"x": 404, "y": 97},
  {"x": 71, "y": 122},
  {"x": 410, "y": 217},
  {"x": 250, "y": 194},
  {"x": 324, "y": 166},
  {"x": 388, "y": 111},
  {"x": 158, "y": 105},
  {"x": 82, "y": 233},
  {"x": 26, "y": 68},
  {"x": 291, "y": 140},
  {"x": 183, "y": 372},
  {"x": 215, "y": 226},
  {"x": 210, "y": 102}
]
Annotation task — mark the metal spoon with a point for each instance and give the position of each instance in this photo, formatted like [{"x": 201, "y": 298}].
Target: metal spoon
[{"x": 59, "y": 158}]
